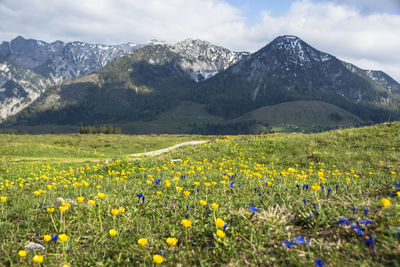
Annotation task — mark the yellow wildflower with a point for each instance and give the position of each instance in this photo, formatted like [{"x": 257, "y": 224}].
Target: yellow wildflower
[
  {"x": 220, "y": 233},
  {"x": 80, "y": 199},
  {"x": 142, "y": 242},
  {"x": 158, "y": 259},
  {"x": 172, "y": 241},
  {"x": 203, "y": 202},
  {"x": 47, "y": 238},
  {"x": 50, "y": 210},
  {"x": 186, "y": 223},
  {"x": 22, "y": 253},
  {"x": 112, "y": 232},
  {"x": 215, "y": 206},
  {"x": 385, "y": 202},
  {"x": 37, "y": 258},
  {"x": 219, "y": 222}
]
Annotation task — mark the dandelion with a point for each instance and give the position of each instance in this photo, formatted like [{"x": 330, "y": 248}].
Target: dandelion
[
  {"x": 47, "y": 238},
  {"x": 385, "y": 202},
  {"x": 179, "y": 189},
  {"x": 3, "y": 199},
  {"x": 203, "y": 202},
  {"x": 186, "y": 223},
  {"x": 112, "y": 232},
  {"x": 121, "y": 210},
  {"x": 220, "y": 233},
  {"x": 398, "y": 193},
  {"x": 91, "y": 202},
  {"x": 215, "y": 206},
  {"x": 62, "y": 208},
  {"x": 80, "y": 199},
  {"x": 187, "y": 193},
  {"x": 172, "y": 241},
  {"x": 101, "y": 195},
  {"x": 158, "y": 259},
  {"x": 50, "y": 210},
  {"x": 219, "y": 222},
  {"x": 142, "y": 242},
  {"x": 37, "y": 258},
  {"x": 22, "y": 253}
]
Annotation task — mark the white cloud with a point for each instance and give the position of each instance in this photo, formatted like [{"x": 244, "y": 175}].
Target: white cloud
[{"x": 342, "y": 27}]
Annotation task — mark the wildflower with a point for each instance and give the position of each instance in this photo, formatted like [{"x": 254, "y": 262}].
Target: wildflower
[
  {"x": 80, "y": 199},
  {"x": 172, "y": 241},
  {"x": 142, "y": 242},
  {"x": 62, "y": 208},
  {"x": 366, "y": 211},
  {"x": 254, "y": 209},
  {"x": 186, "y": 223},
  {"x": 47, "y": 238},
  {"x": 179, "y": 189},
  {"x": 310, "y": 217},
  {"x": 92, "y": 202},
  {"x": 300, "y": 240},
  {"x": 158, "y": 259},
  {"x": 100, "y": 195},
  {"x": 187, "y": 193},
  {"x": 215, "y": 206},
  {"x": 385, "y": 202},
  {"x": 219, "y": 222},
  {"x": 288, "y": 244},
  {"x": 319, "y": 263},
  {"x": 22, "y": 253},
  {"x": 3, "y": 199},
  {"x": 114, "y": 211},
  {"x": 50, "y": 210},
  {"x": 37, "y": 258},
  {"x": 366, "y": 221},
  {"x": 63, "y": 237},
  {"x": 398, "y": 193},
  {"x": 54, "y": 238},
  {"x": 203, "y": 202},
  {"x": 167, "y": 183},
  {"x": 112, "y": 232},
  {"x": 207, "y": 184},
  {"x": 220, "y": 233},
  {"x": 121, "y": 210},
  {"x": 315, "y": 187}
]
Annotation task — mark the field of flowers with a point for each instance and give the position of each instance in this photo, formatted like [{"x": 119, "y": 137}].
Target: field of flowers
[{"x": 284, "y": 199}]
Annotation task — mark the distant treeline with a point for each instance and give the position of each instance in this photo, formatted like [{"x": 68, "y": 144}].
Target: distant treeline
[{"x": 104, "y": 129}]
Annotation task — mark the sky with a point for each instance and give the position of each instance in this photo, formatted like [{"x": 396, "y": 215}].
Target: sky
[{"x": 363, "y": 32}]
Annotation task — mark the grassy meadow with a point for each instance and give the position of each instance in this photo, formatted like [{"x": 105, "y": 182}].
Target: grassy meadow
[{"x": 326, "y": 199}]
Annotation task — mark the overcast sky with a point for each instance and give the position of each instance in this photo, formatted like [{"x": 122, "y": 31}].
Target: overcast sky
[{"x": 363, "y": 32}]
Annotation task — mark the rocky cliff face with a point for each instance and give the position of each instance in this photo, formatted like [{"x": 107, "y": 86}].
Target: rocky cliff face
[
  {"x": 203, "y": 59},
  {"x": 18, "y": 88}
]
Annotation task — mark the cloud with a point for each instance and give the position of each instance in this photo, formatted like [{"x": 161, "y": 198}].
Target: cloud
[{"x": 359, "y": 31}]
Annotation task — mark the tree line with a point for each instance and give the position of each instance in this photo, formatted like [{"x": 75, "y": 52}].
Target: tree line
[{"x": 104, "y": 129}]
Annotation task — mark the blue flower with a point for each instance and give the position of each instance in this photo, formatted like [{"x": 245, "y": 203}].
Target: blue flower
[
  {"x": 231, "y": 184},
  {"x": 370, "y": 241},
  {"x": 300, "y": 240},
  {"x": 158, "y": 181},
  {"x": 140, "y": 195},
  {"x": 366, "y": 211},
  {"x": 254, "y": 209},
  {"x": 310, "y": 217},
  {"x": 354, "y": 208},
  {"x": 366, "y": 222},
  {"x": 397, "y": 185},
  {"x": 54, "y": 238},
  {"x": 288, "y": 244},
  {"x": 298, "y": 186},
  {"x": 319, "y": 263}
]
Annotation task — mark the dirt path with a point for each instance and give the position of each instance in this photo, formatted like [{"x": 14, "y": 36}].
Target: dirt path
[{"x": 165, "y": 150}]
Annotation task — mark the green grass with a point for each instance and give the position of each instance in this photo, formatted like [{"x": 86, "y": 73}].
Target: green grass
[
  {"x": 360, "y": 166},
  {"x": 79, "y": 147}
]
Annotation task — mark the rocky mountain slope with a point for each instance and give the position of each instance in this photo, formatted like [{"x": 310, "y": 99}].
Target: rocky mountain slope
[{"x": 18, "y": 87}]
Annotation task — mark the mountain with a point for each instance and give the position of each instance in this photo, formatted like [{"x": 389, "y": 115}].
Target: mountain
[
  {"x": 18, "y": 87},
  {"x": 288, "y": 69},
  {"x": 234, "y": 90},
  {"x": 59, "y": 61}
]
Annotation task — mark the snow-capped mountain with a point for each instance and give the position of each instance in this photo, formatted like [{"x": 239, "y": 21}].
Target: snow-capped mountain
[{"x": 59, "y": 61}]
